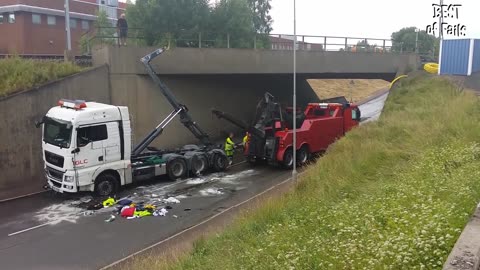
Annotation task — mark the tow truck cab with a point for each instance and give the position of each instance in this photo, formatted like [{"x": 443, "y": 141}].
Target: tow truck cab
[{"x": 83, "y": 141}]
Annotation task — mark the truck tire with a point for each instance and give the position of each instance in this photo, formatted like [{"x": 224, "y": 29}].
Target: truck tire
[
  {"x": 199, "y": 164},
  {"x": 106, "y": 184},
  {"x": 287, "y": 162},
  {"x": 303, "y": 155},
  {"x": 177, "y": 168},
  {"x": 219, "y": 162}
]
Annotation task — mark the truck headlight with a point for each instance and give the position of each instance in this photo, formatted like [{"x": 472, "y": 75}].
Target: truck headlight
[{"x": 69, "y": 179}]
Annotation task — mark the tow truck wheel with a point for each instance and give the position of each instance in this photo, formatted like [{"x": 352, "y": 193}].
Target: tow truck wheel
[
  {"x": 219, "y": 162},
  {"x": 199, "y": 164},
  {"x": 302, "y": 155},
  {"x": 288, "y": 159},
  {"x": 177, "y": 168},
  {"x": 106, "y": 185}
]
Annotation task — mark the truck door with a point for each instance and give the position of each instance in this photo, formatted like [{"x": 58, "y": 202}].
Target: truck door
[
  {"x": 90, "y": 141},
  {"x": 112, "y": 144}
]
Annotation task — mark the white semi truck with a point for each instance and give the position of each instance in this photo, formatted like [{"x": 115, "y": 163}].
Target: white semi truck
[{"x": 87, "y": 146}]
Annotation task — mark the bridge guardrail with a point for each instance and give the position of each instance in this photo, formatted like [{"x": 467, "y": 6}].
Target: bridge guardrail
[{"x": 191, "y": 39}]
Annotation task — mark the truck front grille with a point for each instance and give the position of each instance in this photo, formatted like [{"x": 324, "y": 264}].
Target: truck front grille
[
  {"x": 55, "y": 174},
  {"x": 54, "y": 159}
]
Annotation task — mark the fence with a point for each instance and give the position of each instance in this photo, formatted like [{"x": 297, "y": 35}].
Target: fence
[
  {"x": 82, "y": 60},
  {"x": 137, "y": 37}
]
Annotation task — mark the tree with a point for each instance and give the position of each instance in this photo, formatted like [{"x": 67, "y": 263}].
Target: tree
[
  {"x": 163, "y": 20},
  {"x": 404, "y": 40},
  {"x": 102, "y": 33},
  {"x": 233, "y": 18},
  {"x": 262, "y": 21}
]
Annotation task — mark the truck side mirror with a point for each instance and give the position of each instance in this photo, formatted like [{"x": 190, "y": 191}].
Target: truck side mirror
[
  {"x": 76, "y": 150},
  {"x": 38, "y": 123}
]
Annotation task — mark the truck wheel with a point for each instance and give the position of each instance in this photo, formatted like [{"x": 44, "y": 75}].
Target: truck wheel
[
  {"x": 219, "y": 162},
  {"x": 302, "y": 155},
  {"x": 106, "y": 185},
  {"x": 177, "y": 168},
  {"x": 288, "y": 159},
  {"x": 199, "y": 164}
]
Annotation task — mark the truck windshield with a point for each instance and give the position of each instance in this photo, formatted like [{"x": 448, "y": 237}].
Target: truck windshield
[{"x": 57, "y": 132}]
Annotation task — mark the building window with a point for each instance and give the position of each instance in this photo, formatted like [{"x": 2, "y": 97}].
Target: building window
[
  {"x": 36, "y": 19},
  {"x": 11, "y": 18},
  {"x": 73, "y": 23},
  {"x": 51, "y": 20},
  {"x": 85, "y": 25},
  {"x": 1, "y": 18}
]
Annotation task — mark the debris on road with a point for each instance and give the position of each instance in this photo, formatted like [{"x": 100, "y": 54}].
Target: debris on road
[
  {"x": 171, "y": 200},
  {"x": 112, "y": 218}
]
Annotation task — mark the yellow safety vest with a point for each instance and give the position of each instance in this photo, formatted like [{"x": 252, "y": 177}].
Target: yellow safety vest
[{"x": 229, "y": 144}]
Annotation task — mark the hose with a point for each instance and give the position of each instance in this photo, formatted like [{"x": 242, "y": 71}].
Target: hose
[
  {"x": 396, "y": 79},
  {"x": 431, "y": 68}
]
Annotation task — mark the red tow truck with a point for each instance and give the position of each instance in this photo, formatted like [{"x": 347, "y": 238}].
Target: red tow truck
[{"x": 271, "y": 133}]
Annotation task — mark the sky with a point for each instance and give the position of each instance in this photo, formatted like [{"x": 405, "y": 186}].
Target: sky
[{"x": 368, "y": 18}]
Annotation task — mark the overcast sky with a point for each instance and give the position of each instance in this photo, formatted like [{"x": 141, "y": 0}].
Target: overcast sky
[{"x": 368, "y": 18}]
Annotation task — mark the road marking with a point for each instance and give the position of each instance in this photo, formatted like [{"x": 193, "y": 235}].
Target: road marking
[
  {"x": 29, "y": 229},
  {"x": 203, "y": 222},
  {"x": 22, "y": 196}
]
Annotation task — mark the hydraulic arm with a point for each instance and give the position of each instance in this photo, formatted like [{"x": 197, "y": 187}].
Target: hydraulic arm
[{"x": 178, "y": 109}]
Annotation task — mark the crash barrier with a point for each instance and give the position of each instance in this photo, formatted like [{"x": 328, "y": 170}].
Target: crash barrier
[
  {"x": 431, "y": 68},
  {"x": 396, "y": 79}
]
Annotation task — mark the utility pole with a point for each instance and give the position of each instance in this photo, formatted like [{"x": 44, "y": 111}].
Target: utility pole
[
  {"x": 294, "y": 171},
  {"x": 416, "y": 39},
  {"x": 67, "y": 25}
]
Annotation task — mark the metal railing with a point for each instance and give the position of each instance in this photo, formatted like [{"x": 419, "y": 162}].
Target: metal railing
[
  {"x": 191, "y": 39},
  {"x": 81, "y": 60}
]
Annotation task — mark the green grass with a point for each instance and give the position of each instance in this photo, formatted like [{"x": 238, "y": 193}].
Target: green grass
[
  {"x": 17, "y": 74},
  {"x": 394, "y": 194}
]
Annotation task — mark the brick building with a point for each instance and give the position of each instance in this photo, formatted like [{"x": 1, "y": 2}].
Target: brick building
[
  {"x": 38, "y": 26},
  {"x": 286, "y": 43}
]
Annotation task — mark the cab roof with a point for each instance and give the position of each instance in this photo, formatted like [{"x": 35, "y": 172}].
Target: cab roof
[{"x": 89, "y": 112}]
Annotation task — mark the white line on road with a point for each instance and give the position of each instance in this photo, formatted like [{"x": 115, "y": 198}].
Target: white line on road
[
  {"x": 29, "y": 229},
  {"x": 193, "y": 227}
]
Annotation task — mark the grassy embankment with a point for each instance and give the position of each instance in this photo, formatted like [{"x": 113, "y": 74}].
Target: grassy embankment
[
  {"x": 393, "y": 194},
  {"x": 359, "y": 90},
  {"x": 17, "y": 74}
]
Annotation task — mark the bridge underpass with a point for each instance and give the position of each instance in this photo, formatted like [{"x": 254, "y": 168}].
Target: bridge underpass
[{"x": 232, "y": 80}]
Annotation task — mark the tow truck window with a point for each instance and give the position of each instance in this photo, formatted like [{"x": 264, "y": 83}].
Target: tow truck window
[
  {"x": 318, "y": 112},
  {"x": 355, "y": 115},
  {"x": 86, "y": 135},
  {"x": 57, "y": 133}
]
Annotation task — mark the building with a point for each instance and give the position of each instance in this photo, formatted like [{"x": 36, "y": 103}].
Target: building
[
  {"x": 286, "y": 43},
  {"x": 38, "y": 26}
]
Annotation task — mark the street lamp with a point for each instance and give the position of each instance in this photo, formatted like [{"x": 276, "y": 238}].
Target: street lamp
[
  {"x": 67, "y": 25},
  {"x": 294, "y": 171},
  {"x": 416, "y": 39}
]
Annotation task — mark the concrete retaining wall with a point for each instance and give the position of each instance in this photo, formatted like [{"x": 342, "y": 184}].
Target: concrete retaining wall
[{"x": 20, "y": 145}]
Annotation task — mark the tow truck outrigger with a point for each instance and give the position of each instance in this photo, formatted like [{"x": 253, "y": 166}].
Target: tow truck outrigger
[{"x": 87, "y": 146}]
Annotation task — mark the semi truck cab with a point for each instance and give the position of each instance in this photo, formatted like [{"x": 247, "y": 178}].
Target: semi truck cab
[{"x": 86, "y": 146}]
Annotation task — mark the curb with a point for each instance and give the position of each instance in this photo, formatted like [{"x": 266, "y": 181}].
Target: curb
[
  {"x": 374, "y": 96},
  {"x": 465, "y": 255}
]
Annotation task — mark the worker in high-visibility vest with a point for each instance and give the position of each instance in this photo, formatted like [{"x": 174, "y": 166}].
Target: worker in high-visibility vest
[
  {"x": 229, "y": 146},
  {"x": 245, "y": 139}
]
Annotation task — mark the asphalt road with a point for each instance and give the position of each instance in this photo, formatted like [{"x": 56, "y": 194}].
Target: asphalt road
[{"x": 52, "y": 231}]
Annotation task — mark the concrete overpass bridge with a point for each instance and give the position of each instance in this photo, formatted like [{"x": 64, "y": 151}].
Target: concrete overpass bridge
[{"x": 229, "y": 79}]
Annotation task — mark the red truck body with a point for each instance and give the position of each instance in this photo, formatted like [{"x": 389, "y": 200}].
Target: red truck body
[{"x": 322, "y": 125}]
